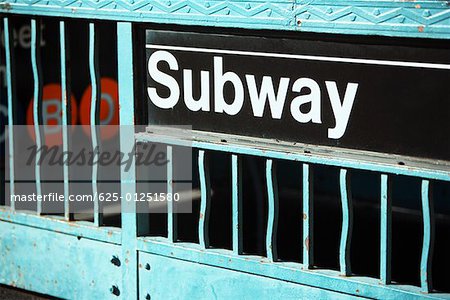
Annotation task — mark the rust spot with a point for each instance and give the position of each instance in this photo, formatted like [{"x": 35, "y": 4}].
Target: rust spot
[
  {"x": 110, "y": 233},
  {"x": 140, "y": 266},
  {"x": 201, "y": 216},
  {"x": 299, "y": 22},
  {"x": 357, "y": 291},
  {"x": 421, "y": 28},
  {"x": 5, "y": 6},
  {"x": 417, "y": 6},
  {"x": 307, "y": 243},
  {"x": 126, "y": 260},
  {"x": 305, "y": 217}
]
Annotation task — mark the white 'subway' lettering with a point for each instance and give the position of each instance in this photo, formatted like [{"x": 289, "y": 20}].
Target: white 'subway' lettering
[{"x": 304, "y": 108}]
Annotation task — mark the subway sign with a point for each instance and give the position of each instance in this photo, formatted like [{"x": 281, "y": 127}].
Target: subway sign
[{"x": 388, "y": 98}]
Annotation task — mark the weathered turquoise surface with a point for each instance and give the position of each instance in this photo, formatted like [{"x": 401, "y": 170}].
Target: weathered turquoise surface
[{"x": 82, "y": 260}]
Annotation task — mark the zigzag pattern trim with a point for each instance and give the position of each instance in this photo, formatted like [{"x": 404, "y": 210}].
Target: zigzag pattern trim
[
  {"x": 421, "y": 19},
  {"x": 376, "y": 17}
]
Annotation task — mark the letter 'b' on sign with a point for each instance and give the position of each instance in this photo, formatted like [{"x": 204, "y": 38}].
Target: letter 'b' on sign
[
  {"x": 109, "y": 108},
  {"x": 51, "y": 114}
]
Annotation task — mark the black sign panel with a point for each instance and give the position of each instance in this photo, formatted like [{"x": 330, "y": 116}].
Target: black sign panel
[{"x": 383, "y": 98}]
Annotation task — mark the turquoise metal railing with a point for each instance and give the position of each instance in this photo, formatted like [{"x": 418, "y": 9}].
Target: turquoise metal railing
[
  {"x": 343, "y": 280},
  {"x": 419, "y": 19},
  {"x": 65, "y": 111},
  {"x": 80, "y": 228},
  {"x": 347, "y": 223},
  {"x": 386, "y": 224},
  {"x": 95, "y": 111},
  {"x": 9, "y": 76},
  {"x": 37, "y": 102},
  {"x": 422, "y": 19}
]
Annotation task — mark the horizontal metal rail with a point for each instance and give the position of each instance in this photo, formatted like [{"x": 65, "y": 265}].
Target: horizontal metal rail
[
  {"x": 344, "y": 158},
  {"x": 293, "y": 272},
  {"x": 421, "y": 19},
  {"x": 81, "y": 229}
]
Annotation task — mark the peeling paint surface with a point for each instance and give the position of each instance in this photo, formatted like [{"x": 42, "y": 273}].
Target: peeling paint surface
[{"x": 56, "y": 264}]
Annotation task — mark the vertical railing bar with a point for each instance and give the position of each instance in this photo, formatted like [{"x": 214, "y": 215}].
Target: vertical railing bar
[
  {"x": 94, "y": 116},
  {"x": 129, "y": 215},
  {"x": 65, "y": 107},
  {"x": 308, "y": 210},
  {"x": 10, "y": 94},
  {"x": 37, "y": 116},
  {"x": 386, "y": 228},
  {"x": 428, "y": 238},
  {"x": 272, "y": 222},
  {"x": 171, "y": 215},
  {"x": 236, "y": 185},
  {"x": 347, "y": 223},
  {"x": 205, "y": 199}
]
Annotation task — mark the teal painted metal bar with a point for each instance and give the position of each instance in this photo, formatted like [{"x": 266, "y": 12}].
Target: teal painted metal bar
[
  {"x": 419, "y": 19},
  {"x": 308, "y": 220},
  {"x": 205, "y": 199},
  {"x": 220, "y": 283},
  {"x": 347, "y": 223},
  {"x": 263, "y": 148},
  {"x": 81, "y": 229},
  {"x": 288, "y": 271},
  {"x": 37, "y": 99},
  {"x": 10, "y": 95},
  {"x": 386, "y": 230},
  {"x": 128, "y": 178},
  {"x": 236, "y": 198},
  {"x": 94, "y": 116},
  {"x": 172, "y": 223},
  {"x": 65, "y": 108},
  {"x": 428, "y": 238},
  {"x": 272, "y": 211}
]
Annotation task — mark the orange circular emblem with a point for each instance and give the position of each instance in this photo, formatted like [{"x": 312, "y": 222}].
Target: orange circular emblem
[
  {"x": 51, "y": 114},
  {"x": 109, "y": 108}
]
